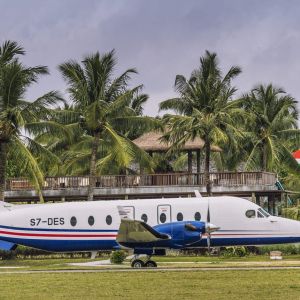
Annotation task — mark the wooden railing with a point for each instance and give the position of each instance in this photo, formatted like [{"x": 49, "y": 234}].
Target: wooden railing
[{"x": 171, "y": 179}]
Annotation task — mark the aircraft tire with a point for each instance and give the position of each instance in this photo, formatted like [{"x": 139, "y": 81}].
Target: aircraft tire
[
  {"x": 151, "y": 264},
  {"x": 137, "y": 263}
]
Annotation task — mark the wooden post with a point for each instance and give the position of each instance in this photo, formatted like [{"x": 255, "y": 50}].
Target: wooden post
[
  {"x": 198, "y": 152},
  {"x": 190, "y": 161},
  {"x": 190, "y": 165},
  {"x": 257, "y": 199},
  {"x": 198, "y": 155}
]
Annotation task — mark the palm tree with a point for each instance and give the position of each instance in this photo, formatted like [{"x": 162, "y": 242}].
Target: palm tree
[
  {"x": 272, "y": 128},
  {"x": 18, "y": 117},
  {"x": 105, "y": 108},
  {"x": 204, "y": 108}
]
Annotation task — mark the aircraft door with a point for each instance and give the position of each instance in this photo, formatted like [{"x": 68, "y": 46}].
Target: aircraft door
[
  {"x": 130, "y": 211},
  {"x": 163, "y": 214}
]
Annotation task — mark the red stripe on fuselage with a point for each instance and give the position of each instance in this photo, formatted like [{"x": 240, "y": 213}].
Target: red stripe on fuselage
[{"x": 56, "y": 235}]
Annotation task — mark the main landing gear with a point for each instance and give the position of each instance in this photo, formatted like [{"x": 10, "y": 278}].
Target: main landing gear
[{"x": 138, "y": 263}]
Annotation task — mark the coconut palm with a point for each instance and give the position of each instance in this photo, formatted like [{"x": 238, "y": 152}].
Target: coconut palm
[
  {"x": 19, "y": 117},
  {"x": 204, "y": 108},
  {"x": 105, "y": 110},
  {"x": 271, "y": 128}
]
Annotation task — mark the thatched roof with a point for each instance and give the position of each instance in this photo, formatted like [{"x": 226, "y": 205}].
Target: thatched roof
[{"x": 151, "y": 141}]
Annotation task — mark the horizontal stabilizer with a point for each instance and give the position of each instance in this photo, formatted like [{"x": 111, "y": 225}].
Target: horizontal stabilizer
[
  {"x": 7, "y": 246},
  {"x": 133, "y": 231}
]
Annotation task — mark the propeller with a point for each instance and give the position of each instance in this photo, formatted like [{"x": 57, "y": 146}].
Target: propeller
[{"x": 209, "y": 228}]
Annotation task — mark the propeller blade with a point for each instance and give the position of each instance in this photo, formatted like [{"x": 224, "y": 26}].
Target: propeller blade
[
  {"x": 190, "y": 227},
  {"x": 208, "y": 242},
  {"x": 208, "y": 213}
]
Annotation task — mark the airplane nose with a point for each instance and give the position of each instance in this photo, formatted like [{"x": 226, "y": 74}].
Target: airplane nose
[{"x": 211, "y": 227}]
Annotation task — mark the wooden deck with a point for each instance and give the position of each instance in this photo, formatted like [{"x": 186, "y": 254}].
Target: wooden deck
[{"x": 225, "y": 179}]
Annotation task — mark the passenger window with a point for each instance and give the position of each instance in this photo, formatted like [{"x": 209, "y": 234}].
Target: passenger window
[
  {"x": 179, "y": 216},
  {"x": 73, "y": 221},
  {"x": 162, "y": 217},
  {"x": 250, "y": 213},
  {"x": 260, "y": 215},
  {"x": 108, "y": 220},
  {"x": 91, "y": 220},
  {"x": 197, "y": 216},
  {"x": 144, "y": 218}
]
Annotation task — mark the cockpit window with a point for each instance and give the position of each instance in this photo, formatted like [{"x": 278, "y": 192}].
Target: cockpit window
[
  {"x": 259, "y": 214},
  {"x": 262, "y": 211},
  {"x": 250, "y": 213}
]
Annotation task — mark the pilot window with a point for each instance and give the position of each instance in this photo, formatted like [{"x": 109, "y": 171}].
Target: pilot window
[
  {"x": 73, "y": 221},
  {"x": 179, "y": 216},
  {"x": 250, "y": 213},
  {"x": 91, "y": 220},
  {"x": 197, "y": 216},
  {"x": 262, "y": 211},
  {"x": 162, "y": 217},
  {"x": 144, "y": 217},
  {"x": 108, "y": 220},
  {"x": 259, "y": 215}
]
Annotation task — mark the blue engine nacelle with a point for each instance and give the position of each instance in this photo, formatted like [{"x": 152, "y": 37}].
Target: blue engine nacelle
[{"x": 182, "y": 234}]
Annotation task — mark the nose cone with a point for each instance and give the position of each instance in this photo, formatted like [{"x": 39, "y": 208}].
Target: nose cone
[{"x": 211, "y": 227}]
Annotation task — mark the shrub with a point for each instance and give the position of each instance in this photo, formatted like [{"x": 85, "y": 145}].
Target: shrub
[
  {"x": 234, "y": 252},
  {"x": 285, "y": 249},
  {"x": 291, "y": 213},
  {"x": 118, "y": 256}
]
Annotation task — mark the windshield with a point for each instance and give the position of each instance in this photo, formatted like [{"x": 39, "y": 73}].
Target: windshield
[{"x": 266, "y": 214}]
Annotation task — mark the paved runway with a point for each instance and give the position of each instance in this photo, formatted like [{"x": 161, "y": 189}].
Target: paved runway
[{"x": 150, "y": 270}]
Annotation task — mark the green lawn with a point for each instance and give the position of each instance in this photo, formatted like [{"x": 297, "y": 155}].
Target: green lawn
[
  {"x": 165, "y": 262},
  {"x": 275, "y": 284}
]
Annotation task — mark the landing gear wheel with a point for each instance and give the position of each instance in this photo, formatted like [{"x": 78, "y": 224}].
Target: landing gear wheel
[
  {"x": 137, "y": 263},
  {"x": 150, "y": 264}
]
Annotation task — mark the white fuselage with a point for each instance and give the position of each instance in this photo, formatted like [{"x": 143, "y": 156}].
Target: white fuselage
[{"x": 88, "y": 226}]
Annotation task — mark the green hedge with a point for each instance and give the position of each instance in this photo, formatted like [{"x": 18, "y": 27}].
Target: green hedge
[
  {"x": 291, "y": 213},
  {"x": 23, "y": 252}
]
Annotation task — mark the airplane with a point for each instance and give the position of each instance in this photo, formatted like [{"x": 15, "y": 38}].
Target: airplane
[{"x": 147, "y": 226}]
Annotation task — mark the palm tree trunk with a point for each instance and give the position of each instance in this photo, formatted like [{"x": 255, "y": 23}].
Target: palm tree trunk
[
  {"x": 93, "y": 166},
  {"x": 264, "y": 157},
  {"x": 206, "y": 169},
  {"x": 3, "y": 157}
]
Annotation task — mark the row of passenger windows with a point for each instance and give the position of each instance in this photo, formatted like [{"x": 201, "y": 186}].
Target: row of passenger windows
[
  {"x": 179, "y": 217},
  {"x": 91, "y": 220},
  {"x": 144, "y": 218}
]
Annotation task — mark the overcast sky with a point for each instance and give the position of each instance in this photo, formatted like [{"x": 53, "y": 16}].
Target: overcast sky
[{"x": 161, "y": 38}]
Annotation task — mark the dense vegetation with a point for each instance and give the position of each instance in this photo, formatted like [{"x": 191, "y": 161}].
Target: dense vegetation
[{"x": 91, "y": 132}]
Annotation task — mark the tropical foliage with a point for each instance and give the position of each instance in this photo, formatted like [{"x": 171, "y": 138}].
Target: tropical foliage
[
  {"x": 105, "y": 111},
  {"x": 20, "y": 119},
  {"x": 91, "y": 133},
  {"x": 271, "y": 129},
  {"x": 204, "y": 108}
]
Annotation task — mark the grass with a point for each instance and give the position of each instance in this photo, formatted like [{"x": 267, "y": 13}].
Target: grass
[
  {"x": 269, "y": 284},
  {"x": 166, "y": 262}
]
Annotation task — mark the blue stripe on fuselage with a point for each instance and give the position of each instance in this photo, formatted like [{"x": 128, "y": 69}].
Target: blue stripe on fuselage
[{"x": 66, "y": 245}]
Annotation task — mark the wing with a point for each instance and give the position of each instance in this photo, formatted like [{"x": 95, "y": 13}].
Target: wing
[{"x": 133, "y": 231}]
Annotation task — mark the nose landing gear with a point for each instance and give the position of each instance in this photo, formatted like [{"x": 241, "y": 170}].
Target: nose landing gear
[{"x": 138, "y": 263}]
